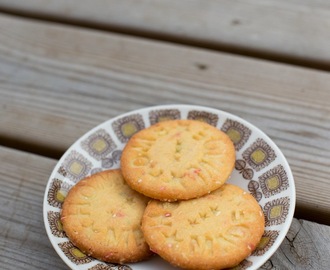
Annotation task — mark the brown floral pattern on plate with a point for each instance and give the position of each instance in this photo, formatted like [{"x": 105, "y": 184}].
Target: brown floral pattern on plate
[
  {"x": 156, "y": 116},
  {"x": 127, "y": 126},
  {"x": 76, "y": 166},
  {"x": 274, "y": 181},
  {"x": 55, "y": 224},
  {"x": 74, "y": 254},
  {"x": 259, "y": 155},
  {"x": 237, "y": 132},
  {"x": 267, "y": 240},
  {"x": 203, "y": 116},
  {"x": 99, "y": 144},
  {"x": 98, "y": 151},
  {"x": 57, "y": 193},
  {"x": 276, "y": 211}
]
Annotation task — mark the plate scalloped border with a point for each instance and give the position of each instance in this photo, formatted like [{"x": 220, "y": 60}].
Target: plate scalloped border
[{"x": 260, "y": 168}]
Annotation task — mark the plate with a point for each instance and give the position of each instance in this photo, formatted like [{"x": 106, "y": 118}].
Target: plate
[{"x": 260, "y": 169}]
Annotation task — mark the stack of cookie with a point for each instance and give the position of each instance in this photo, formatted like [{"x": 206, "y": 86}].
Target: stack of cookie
[{"x": 171, "y": 197}]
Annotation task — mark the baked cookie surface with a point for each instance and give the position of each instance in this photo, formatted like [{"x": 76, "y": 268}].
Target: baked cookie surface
[
  {"x": 101, "y": 215},
  {"x": 216, "y": 231},
  {"x": 178, "y": 160}
]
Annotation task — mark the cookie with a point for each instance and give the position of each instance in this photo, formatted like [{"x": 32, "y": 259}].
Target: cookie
[
  {"x": 101, "y": 215},
  {"x": 216, "y": 231},
  {"x": 178, "y": 160}
]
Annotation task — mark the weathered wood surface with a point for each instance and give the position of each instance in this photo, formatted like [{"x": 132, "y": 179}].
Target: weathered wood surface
[
  {"x": 57, "y": 82},
  {"x": 24, "y": 243},
  {"x": 23, "y": 240},
  {"x": 287, "y": 30},
  {"x": 306, "y": 246}
]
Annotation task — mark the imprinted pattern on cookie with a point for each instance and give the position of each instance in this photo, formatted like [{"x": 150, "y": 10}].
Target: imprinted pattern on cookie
[
  {"x": 122, "y": 236},
  {"x": 200, "y": 242},
  {"x": 102, "y": 216},
  {"x": 144, "y": 145}
]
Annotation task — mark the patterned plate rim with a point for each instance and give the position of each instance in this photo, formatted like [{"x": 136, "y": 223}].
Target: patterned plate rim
[{"x": 184, "y": 108}]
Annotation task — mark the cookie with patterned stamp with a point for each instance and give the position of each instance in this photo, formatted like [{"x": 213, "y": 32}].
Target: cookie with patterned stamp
[
  {"x": 216, "y": 231},
  {"x": 101, "y": 215},
  {"x": 178, "y": 160}
]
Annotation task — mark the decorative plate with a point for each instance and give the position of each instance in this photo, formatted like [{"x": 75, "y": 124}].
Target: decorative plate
[{"x": 260, "y": 169}]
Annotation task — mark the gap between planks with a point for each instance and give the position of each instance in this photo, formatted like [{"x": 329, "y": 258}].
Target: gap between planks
[{"x": 39, "y": 70}]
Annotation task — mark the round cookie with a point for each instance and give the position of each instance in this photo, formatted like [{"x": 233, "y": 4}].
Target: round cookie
[
  {"x": 216, "y": 231},
  {"x": 178, "y": 160},
  {"x": 101, "y": 215}
]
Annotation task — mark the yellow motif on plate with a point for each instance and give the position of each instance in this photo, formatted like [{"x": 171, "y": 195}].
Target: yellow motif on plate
[
  {"x": 99, "y": 145},
  {"x": 263, "y": 242},
  {"x": 258, "y": 156},
  {"x": 77, "y": 253},
  {"x": 60, "y": 195},
  {"x": 275, "y": 212},
  {"x": 273, "y": 182},
  {"x": 234, "y": 135},
  {"x": 59, "y": 225},
  {"x": 128, "y": 129},
  {"x": 76, "y": 167}
]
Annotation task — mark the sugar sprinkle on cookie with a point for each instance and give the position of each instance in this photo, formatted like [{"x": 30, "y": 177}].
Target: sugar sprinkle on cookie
[
  {"x": 216, "y": 231},
  {"x": 178, "y": 160},
  {"x": 101, "y": 215}
]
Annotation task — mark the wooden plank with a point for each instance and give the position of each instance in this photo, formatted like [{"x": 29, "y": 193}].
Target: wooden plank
[
  {"x": 23, "y": 240},
  {"x": 58, "y": 82},
  {"x": 293, "y": 31},
  {"x": 24, "y": 243},
  {"x": 302, "y": 248}
]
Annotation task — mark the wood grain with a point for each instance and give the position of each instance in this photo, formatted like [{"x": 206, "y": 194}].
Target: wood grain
[
  {"x": 306, "y": 246},
  {"x": 292, "y": 31},
  {"x": 58, "y": 82},
  {"x": 23, "y": 240},
  {"x": 25, "y": 245}
]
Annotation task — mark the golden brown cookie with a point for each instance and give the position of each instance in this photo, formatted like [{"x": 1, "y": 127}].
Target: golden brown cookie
[
  {"x": 178, "y": 160},
  {"x": 216, "y": 231},
  {"x": 101, "y": 215}
]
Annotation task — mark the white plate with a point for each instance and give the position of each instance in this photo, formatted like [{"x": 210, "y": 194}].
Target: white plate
[{"x": 260, "y": 169}]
